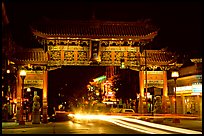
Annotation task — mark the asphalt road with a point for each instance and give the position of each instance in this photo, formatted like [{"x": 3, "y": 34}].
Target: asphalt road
[{"x": 68, "y": 127}]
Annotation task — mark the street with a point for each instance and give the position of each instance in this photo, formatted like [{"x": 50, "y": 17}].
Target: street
[
  {"x": 68, "y": 127},
  {"x": 101, "y": 125}
]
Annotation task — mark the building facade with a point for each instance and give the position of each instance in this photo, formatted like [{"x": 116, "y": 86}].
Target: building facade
[
  {"x": 188, "y": 89},
  {"x": 9, "y": 90}
]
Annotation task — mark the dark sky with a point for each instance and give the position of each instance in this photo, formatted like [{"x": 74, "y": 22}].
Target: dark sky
[{"x": 179, "y": 23}]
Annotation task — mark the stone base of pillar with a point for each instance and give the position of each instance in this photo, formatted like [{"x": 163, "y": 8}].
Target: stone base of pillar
[
  {"x": 44, "y": 120},
  {"x": 18, "y": 115},
  {"x": 166, "y": 106},
  {"x": 142, "y": 108},
  {"x": 36, "y": 117},
  {"x": 21, "y": 122}
]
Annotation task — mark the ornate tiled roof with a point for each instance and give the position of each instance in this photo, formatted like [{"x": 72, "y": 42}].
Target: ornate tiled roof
[
  {"x": 157, "y": 57},
  {"x": 95, "y": 28},
  {"x": 31, "y": 56}
]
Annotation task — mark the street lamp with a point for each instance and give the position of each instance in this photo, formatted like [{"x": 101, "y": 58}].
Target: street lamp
[
  {"x": 23, "y": 75},
  {"x": 8, "y": 71},
  {"x": 175, "y": 75}
]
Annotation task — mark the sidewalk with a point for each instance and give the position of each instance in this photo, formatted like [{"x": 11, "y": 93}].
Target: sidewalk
[{"x": 15, "y": 125}]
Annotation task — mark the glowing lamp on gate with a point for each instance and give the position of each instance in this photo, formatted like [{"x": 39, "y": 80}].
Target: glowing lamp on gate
[
  {"x": 28, "y": 90},
  {"x": 175, "y": 74},
  {"x": 22, "y": 73}
]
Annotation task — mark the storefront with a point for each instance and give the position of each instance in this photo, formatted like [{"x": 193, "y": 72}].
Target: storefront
[{"x": 189, "y": 99}]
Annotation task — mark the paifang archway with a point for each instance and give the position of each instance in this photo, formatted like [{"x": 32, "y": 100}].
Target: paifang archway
[{"x": 90, "y": 43}]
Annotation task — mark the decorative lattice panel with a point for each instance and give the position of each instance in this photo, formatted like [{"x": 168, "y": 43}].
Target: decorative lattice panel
[
  {"x": 82, "y": 56},
  {"x": 69, "y": 56},
  {"x": 55, "y": 55}
]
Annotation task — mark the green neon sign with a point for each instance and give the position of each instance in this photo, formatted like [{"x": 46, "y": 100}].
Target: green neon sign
[{"x": 99, "y": 79}]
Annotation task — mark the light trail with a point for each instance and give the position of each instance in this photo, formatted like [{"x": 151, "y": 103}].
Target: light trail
[
  {"x": 130, "y": 124},
  {"x": 129, "y": 127},
  {"x": 138, "y": 127},
  {"x": 164, "y": 127}
]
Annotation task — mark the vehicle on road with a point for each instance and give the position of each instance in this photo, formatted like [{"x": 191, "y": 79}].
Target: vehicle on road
[
  {"x": 59, "y": 116},
  {"x": 126, "y": 111}
]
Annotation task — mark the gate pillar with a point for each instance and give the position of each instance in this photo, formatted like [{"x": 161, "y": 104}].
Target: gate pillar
[
  {"x": 45, "y": 105},
  {"x": 142, "y": 102},
  {"x": 165, "y": 98}
]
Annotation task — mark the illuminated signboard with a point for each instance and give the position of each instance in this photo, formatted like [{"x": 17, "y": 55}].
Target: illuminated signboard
[
  {"x": 183, "y": 88},
  {"x": 154, "y": 79},
  {"x": 33, "y": 83},
  {"x": 197, "y": 87}
]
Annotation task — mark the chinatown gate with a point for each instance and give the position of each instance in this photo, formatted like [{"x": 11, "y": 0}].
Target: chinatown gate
[{"x": 93, "y": 43}]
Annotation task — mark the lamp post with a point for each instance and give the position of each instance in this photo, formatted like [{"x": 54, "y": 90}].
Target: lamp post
[
  {"x": 175, "y": 75},
  {"x": 29, "y": 99},
  {"x": 23, "y": 75}
]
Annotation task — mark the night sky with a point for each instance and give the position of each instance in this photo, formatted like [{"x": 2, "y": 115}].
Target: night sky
[{"x": 179, "y": 23}]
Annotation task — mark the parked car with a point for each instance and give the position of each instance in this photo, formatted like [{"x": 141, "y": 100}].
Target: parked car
[
  {"x": 59, "y": 116},
  {"x": 127, "y": 111}
]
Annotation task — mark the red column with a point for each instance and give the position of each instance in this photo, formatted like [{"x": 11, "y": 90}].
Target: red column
[
  {"x": 165, "y": 89},
  {"x": 165, "y": 98},
  {"x": 45, "y": 104},
  {"x": 141, "y": 76},
  {"x": 141, "y": 99}
]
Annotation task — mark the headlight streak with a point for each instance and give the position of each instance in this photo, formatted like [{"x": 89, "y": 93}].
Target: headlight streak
[
  {"x": 118, "y": 121},
  {"x": 138, "y": 127},
  {"x": 169, "y": 128},
  {"x": 89, "y": 117},
  {"x": 129, "y": 127}
]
